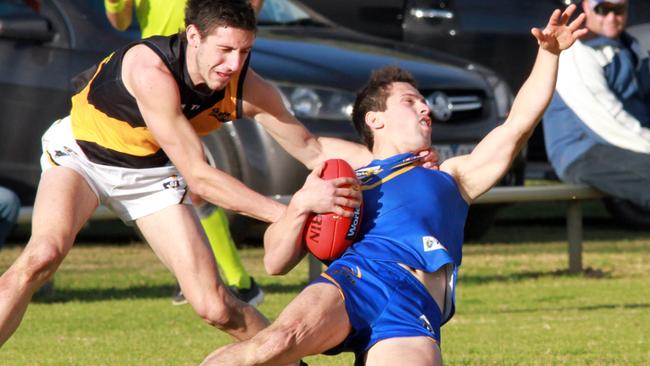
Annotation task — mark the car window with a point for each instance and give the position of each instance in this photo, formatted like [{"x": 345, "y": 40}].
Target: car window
[
  {"x": 15, "y": 8},
  {"x": 503, "y": 16},
  {"x": 281, "y": 11}
]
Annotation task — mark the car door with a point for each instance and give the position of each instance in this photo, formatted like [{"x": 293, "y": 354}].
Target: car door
[
  {"x": 33, "y": 90},
  {"x": 43, "y": 45}
]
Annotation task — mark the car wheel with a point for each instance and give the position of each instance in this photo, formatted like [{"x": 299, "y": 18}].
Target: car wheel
[
  {"x": 628, "y": 213},
  {"x": 479, "y": 220}
]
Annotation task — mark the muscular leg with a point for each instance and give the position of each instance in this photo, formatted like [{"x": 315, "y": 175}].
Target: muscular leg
[
  {"x": 315, "y": 321},
  {"x": 175, "y": 235},
  {"x": 215, "y": 224},
  {"x": 412, "y": 351},
  {"x": 64, "y": 202}
]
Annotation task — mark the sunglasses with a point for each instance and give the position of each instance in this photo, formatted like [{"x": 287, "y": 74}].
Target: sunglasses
[{"x": 604, "y": 10}]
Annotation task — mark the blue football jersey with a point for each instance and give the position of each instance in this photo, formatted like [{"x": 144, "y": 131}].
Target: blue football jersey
[{"x": 411, "y": 215}]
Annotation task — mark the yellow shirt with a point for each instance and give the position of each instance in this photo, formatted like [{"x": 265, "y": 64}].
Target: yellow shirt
[{"x": 160, "y": 17}]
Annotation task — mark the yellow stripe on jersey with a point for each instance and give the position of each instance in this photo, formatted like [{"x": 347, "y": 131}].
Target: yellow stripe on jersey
[
  {"x": 333, "y": 281},
  {"x": 388, "y": 177},
  {"x": 224, "y": 111},
  {"x": 93, "y": 125}
]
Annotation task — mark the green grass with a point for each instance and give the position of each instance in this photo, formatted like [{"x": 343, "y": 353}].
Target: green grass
[{"x": 516, "y": 305}]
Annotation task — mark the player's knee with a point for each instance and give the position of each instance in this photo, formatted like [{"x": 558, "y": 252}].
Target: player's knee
[
  {"x": 42, "y": 259},
  {"x": 216, "y": 311}
]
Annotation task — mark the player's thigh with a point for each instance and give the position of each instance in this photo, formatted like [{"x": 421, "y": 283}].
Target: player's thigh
[
  {"x": 318, "y": 317},
  {"x": 176, "y": 236},
  {"x": 412, "y": 351},
  {"x": 64, "y": 202}
]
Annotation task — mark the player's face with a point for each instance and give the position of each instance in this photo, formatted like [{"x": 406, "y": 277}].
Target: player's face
[
  {"x": 221, "y": 54},
  {"x": 607, "y": 19},
  {"x": 408, "y": 118}
]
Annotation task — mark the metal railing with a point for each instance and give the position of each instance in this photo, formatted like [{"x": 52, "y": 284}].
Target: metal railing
[{"x": 571, "y": 193}]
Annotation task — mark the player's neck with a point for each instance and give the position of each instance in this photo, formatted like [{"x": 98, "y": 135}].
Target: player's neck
[{"x": 381, "y": 151}]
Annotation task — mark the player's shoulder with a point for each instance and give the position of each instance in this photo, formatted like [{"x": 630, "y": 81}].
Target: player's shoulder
[{"x": 141, "y": 58}]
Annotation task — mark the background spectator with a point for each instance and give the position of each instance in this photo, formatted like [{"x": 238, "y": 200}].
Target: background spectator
[
  {"x": 596, "y": 127},
  {"x": 9, "y": 208}
]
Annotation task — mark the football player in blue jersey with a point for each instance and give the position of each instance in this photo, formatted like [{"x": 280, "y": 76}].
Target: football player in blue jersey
[{"x": 388, "y": 295}]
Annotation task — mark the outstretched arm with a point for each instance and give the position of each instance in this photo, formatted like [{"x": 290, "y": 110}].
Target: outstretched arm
[
  {"x": 283, "y": 244},
  {"x": 480, "y": 170},
  {"x": 263, "y": 102}
]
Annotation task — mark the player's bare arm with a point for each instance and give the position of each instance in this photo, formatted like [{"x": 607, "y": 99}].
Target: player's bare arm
[
  {"x": 479, "y": 171},
  {"x": 157, "y": 95},
  {"x": 283, "y": 240},
  {"x": 262, "y": 101}
]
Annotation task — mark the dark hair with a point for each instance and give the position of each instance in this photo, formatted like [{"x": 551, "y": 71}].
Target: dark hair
[
  {"x": 372, "y": 98},
  {"x": 207, "y": 15}
]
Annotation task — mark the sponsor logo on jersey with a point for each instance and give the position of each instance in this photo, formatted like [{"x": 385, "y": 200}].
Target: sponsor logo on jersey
[
  {"x": 349, "y": 273},
  {"x": 356, "y": 273},
  {"x": 172, "y": 182},
  {"x": 59, "y": 153},
  {"x": 221, "y": 116},
  {"x": 430, "y": 244},
  {"x": 354, "y": 226},
  {"x": 426, "y": 324}
]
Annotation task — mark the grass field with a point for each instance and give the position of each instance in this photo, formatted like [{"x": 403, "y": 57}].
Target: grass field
[{"x": 516, "y": 305}]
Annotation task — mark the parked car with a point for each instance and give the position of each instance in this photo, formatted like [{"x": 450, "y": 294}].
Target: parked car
[
  {"x": 493, "y": 33},
  {"x": 316, "y": 65}
]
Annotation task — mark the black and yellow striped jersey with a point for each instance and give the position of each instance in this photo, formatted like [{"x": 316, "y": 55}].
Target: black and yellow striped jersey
[{"x": 108, "y": 125}]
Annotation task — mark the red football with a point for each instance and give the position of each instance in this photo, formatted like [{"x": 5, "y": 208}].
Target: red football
[{"x": 328, "y": 235}]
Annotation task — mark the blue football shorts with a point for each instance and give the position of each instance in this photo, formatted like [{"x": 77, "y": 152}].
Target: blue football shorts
[{"x": 383, "y": 300}]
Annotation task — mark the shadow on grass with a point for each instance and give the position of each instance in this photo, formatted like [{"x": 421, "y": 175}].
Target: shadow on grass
[
  {"x": 279, "y": 288},
  {"x": 137, "y": 292},
  {"x": 93, "y": 294},
  {"x": 578, "y": 308},
  {"x": 522, "y": 276},
  {"x": 544, "y": 230}
]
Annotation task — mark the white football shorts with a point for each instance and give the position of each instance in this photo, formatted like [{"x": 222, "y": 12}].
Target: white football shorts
[{"x": 130, "y": 193}]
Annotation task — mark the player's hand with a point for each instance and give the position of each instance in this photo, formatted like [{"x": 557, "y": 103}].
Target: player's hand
[
  {"x": 559, "y": 34},
  {"x": 334, "y": 195},
  {"x": 429, "y": 158}
]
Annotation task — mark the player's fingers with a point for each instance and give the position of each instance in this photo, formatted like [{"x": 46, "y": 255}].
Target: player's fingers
[
  {"x": 432, "y": 166},
  {"x": 347, "y": 202},
  {"x": 577, "y": 23},
  {"x": 318, "y": 170},
  {"x": 348, "y": 192},
  {"x": 344, "y": 181},
  {"x": 555, "y": 17},
  {"x": 568, "y": 12},
  {"x": 340, "y": 211},
  {"x": 538, "y": 34}
]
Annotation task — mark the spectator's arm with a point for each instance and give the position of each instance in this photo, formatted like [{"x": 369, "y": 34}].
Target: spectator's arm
[{"x": 584, "y": 88}]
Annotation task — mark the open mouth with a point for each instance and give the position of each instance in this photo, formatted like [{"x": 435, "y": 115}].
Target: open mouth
[{"x": 223, "y": 75}]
